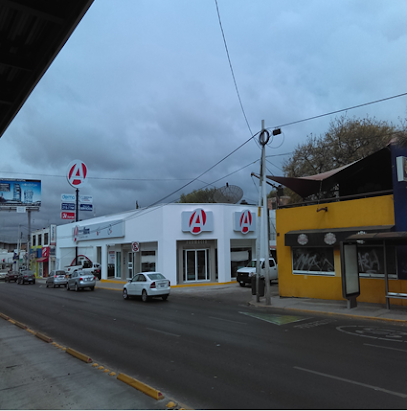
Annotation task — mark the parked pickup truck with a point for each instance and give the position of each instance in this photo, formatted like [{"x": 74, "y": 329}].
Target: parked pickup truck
[
  {"x": 245, "y": 274},
  {"x": 85, "y": 265}
]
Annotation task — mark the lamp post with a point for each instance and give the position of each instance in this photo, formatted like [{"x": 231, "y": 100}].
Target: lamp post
[{"x": 263, "y": 233}]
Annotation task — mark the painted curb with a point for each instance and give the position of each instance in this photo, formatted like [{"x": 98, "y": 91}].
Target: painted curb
[
  {"x": 146, "y": 389},
  {"x": 78, "y": 355},
  {"x": 43, "y": 337},
  {"x": 23, "y": 326},
  {"x": 6, "y": 317}
]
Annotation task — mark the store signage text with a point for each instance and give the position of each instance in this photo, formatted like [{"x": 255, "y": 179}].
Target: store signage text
[{"x": 99, "y": 231}]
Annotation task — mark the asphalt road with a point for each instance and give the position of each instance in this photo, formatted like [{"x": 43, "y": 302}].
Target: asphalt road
[{"x": 213, "y": 351}]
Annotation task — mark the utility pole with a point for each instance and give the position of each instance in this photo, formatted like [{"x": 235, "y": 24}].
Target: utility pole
[{"x": 264, "y": 240}]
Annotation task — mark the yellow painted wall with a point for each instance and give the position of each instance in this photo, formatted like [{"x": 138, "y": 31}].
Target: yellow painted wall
[{"x": 353, "y": 213}]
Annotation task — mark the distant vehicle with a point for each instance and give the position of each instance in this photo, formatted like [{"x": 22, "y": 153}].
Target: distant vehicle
[
  {"x": 79, "y": 280},
  {"x": 56, "y": 278},
  {"x": 147, "y": 285},
  {"x": 245, "y": 274},
  {"x": 3, "y": 275},
  {"x": 11, "y": 276},
  {"x": 26, "y": 276},
  {"x": 84, "y": 265}
]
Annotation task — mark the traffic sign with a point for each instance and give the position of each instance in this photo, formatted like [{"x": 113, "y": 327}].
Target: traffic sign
[
  {"x": 68, "y": 206},
  {"x": 76, "y": 173},
  {"x": 68, "y": 215},
  {"x": 135, "y": 246}
]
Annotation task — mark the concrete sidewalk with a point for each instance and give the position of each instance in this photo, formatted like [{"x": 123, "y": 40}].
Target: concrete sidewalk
[{"x": 36, "y": 374}]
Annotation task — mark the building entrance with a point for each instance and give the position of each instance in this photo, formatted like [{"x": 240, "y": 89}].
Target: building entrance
[{"x": 196, "y": 265}]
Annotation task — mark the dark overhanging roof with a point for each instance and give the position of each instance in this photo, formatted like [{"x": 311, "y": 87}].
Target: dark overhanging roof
[
  {"x": 395, "y": 238},
  {"x": 353, "y": 178},
  {"x": 32, "y": 32}
]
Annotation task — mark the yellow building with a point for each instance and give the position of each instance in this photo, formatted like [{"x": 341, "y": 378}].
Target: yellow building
[{"x": 366, "y": 197}]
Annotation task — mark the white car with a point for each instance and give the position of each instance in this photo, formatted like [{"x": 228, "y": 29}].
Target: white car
[{"x": 147, "y": 285}]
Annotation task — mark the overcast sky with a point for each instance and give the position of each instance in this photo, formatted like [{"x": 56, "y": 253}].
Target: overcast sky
[{"x": 143, "y": 94}]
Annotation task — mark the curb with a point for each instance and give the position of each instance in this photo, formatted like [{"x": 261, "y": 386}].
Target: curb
[
  {"x": 43, "y": 337},
  {"x": 146, "y": 389},
  {"x": 304, "y": 310},
  {"x": 79, "y": 355}
]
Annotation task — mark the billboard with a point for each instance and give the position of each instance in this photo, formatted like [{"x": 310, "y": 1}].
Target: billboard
[{"x": 20, "y": 193}]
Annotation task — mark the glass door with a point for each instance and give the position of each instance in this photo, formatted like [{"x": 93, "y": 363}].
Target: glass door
[
  {"x": 196, "y": 265},
  {"x": 118, "y": 267},
  {"x": 130, "y": 265}
]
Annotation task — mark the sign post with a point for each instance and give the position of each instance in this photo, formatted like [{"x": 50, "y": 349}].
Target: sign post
[{"x": 76, "y": 176}]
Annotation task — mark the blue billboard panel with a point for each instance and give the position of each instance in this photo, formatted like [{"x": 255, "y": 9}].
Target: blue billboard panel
[
  {"x": 16, "y": 193},
  {"x": 86, "y": 207}
]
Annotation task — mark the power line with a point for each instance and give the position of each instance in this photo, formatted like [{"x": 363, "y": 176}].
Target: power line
[
  {"x": 339, "y": 111},
  {"x": 231, "y": 68}
]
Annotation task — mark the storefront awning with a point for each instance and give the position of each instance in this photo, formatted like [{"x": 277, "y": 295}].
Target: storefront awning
[
  {"x": 394, "y": 237},
  {"x": 330, "y": 236},
  {"x": 42, "y": 259}
]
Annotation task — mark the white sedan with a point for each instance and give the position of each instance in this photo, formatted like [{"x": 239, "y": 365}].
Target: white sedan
[{"x": 147, "y": 285}]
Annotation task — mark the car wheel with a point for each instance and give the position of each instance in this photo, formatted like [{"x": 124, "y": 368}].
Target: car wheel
[
  {"x": 34, "y": 282},
  {"x": 76, "y": 287},
  {"x": 144, "y": 296},
  {"x": 164, "y": 297},
  {"x": 125, "y": 295},
  {"x": 67, "y": 287},
  {"x": 242, "y": 284},
  {"x": 92, "y": 288}
]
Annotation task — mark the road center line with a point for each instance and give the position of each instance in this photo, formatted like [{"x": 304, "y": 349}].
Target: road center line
[
  {"x": 229, "y": 321},
  {"x": 386, "y": 348},
  {"x": 163, "y": 332},
  {"x": 398, "y": 394}
]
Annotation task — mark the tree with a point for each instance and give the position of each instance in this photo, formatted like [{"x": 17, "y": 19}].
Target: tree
[
  {"x": 346, "y": 141},
  {"x": 199, "y": 196}
]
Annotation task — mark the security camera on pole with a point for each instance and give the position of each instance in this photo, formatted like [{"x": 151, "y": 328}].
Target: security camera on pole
[{"x": 76, "y": 176}]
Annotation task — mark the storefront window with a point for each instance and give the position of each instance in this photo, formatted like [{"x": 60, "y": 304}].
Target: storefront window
[
  {"x": 313, "y": 260},
  {"x": 371, "y": 261},
  {"x": 147, "y": 261}
]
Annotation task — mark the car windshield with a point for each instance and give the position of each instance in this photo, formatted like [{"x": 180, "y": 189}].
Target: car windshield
[
  {"x": 251, "y": 264},
  {"x": 60, "y": 273},
  {"x": 156, "y": 276}
]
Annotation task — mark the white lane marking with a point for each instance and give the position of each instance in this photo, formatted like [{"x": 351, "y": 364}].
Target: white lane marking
[
  {"x": 386, "y": 348},
  {"x": 229, "y": 321},
  {"x": 373, "y": 387},
  {"x": 163, "y": 332},
  {"x": 341, "y": 328}
]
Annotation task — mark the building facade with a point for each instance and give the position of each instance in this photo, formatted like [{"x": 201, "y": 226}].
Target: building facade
[{"x": 188, "y": 243}]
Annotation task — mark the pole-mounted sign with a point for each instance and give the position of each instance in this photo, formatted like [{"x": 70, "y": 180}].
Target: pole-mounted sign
[{"x": 76, "y": 173}]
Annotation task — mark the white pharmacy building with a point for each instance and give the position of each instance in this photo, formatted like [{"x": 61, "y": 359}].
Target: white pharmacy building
[{"x": 188, "y": 243}]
